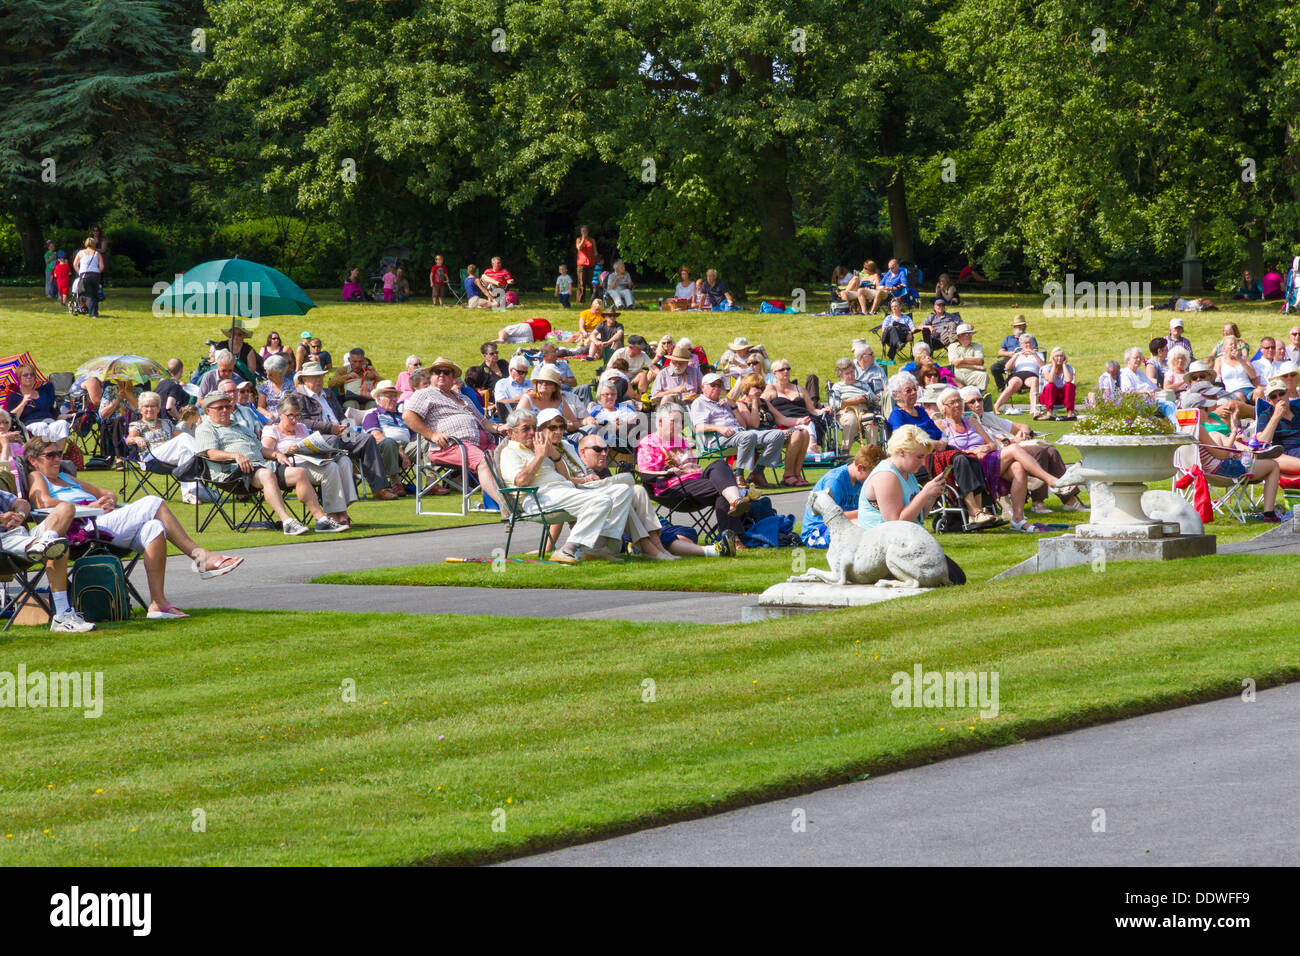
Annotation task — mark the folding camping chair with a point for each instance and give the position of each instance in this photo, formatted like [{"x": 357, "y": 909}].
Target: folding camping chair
[
  {"x": 1237, "y": 500},
  {"x": 145, "y": 472},
  {"x": 522, "y": 503},
  {"x": 227, "y": 489},
  {"x": 457, "y": 289},
  {"x": 675, "y": 508},
  {"x": 428, "y": 474}
]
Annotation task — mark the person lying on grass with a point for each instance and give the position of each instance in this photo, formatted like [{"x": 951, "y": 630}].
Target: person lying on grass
[{"x": 144, "y": 526}]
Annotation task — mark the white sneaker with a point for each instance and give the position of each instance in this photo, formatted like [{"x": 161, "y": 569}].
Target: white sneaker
[
  {"x": 18, "y": 543},
  {"x": 293, "y": 527},
  {"x": 328, "y": 524},
  {"x": 50, "y": 545},
  {"x": 1040, "y": 509},
  {"x": 70, "y": 622}
]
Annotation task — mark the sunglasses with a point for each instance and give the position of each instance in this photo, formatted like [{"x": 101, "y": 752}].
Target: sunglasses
[
  {"x": 443, "y": 371},
  {"x": 599, "y": 449},
  {"x": 52, "y": 455}
]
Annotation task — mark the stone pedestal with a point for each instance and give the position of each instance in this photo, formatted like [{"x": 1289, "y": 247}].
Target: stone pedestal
[
  {"x": 1146, "y": 543},
  {"x": 1193, "y": 278},
  {"x": 801, "y": 597}
]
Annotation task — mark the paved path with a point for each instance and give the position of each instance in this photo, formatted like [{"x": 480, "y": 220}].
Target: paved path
[
  {"x": 275, "y": 577},
  {"x": 1212, "y": 784},
  {"x": 1284, "y": 539}
]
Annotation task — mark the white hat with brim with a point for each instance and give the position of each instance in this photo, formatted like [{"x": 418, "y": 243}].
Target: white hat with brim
[
  {"x": 548, "y": 414},
  {"x": 965, "y": 329},
  {"x": 385, "y": 385},
  {"x": 1286, "y": 368},
  {"x": 1175, "y": 323}
]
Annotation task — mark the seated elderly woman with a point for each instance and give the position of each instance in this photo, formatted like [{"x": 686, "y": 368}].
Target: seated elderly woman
[
  {"x": 145, "y": 525},
  {"x": 853, "y": 404},
  {"x": 546, "y": 393},
  {"x": 1006, "y": 467},
  {"x": 966, "y": 471},
  {"x": 37, "y": 408},
  {"x": 156, "y": 436},
  {"x": 1018, "y": 433},
  {"x": 666, "y": 457},
  {"x": 277, "y": 384},
  {"x": 1180, "y": 361},
  {"x": 600, "y": 514},
  {"x": 1133, "y": 378},
  {"x": 618, "y": 283},
  {"x": 1025, "y": 367},
  {"x": 755, "y": 410},
  {"x": 280, "y": 441},
  {"x": 619, "y": 423},
  {"x": 893, "y": 493}
]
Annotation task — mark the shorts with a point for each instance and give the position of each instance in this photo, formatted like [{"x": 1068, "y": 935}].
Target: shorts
[
  {"x": 1230, "y": 468},
  {"x": 440, "y": 289},
  {"x": 519, "y": 333},
  {"x": 671, "y": 532},
  {"x": 451, "y": 455},
  {"x": 133, "y": 526}
]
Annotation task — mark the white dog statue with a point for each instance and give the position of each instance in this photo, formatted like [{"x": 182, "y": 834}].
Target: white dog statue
[
  {"x": 896, "y": 554},
  {"x": 1165, "y": 506}
]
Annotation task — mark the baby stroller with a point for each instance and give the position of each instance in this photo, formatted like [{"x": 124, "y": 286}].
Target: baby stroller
[
  {"x": 77, "y": 304},
  {"x": 377, "y": 281}
]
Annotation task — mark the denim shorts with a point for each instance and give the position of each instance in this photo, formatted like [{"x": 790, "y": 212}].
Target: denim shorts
[{"x": 1230, "y": 468}]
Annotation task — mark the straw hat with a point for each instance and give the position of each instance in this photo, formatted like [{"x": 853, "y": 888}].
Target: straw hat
[
  {"x": 681, "y": 353},
  {"x": 1199, "y": 368},
  {"x": 441, "y": 362},
  {"x": 384, "y": 385},
  {"x": 311, "y": 368},
  {"x": 739, "y": 343},
  {"x": 548, "y": 373}
]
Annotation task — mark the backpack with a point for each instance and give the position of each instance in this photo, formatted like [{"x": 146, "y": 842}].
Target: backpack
[{"x": 97, "y": 588}]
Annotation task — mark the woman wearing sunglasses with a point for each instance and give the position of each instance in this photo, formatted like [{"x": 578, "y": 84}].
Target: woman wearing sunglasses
[{"x": 145, "y": 525}]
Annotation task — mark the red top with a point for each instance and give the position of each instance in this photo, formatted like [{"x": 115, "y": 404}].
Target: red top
[
  {"x": 585, "y": 253},
  {"x": 438, "y": 274},
  {"x": 499, "y": 276},
  {"x": 541, "y": 328}
]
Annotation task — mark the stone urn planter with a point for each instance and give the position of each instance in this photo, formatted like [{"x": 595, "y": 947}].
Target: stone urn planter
[{"x": 1126, "y": 463}]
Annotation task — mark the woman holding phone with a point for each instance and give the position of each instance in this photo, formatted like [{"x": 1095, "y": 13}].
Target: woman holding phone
[{"x": 892, "y": 493}]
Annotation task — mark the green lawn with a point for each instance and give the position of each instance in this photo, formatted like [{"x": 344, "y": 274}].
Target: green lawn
[{"x": 240, "y": 714}]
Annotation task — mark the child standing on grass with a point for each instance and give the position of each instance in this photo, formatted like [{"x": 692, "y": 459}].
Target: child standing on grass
[
  {"x": 390, "y": 283},
  {"x": 438, "y": 280},
  {"x": 403, "y": 287},
  {"x": 63, "y": 277},
  {"x": 563, "y": 285}
]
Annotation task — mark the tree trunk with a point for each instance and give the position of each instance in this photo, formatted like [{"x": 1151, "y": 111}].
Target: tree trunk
[
  {"x": 900, "y": 220},
  {"x": 1255, "y": 250},
  {"x": 777, "y": 252},
  {"x": 29, "y": 236}
]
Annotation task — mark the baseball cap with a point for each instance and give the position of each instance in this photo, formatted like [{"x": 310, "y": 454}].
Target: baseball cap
[{"x": 711, "y": 378}]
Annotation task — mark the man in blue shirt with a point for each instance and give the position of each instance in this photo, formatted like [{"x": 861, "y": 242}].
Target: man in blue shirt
[
  {"x": 893, "y": 284},
  {"x": 845, "y": 486},
  {"x": 1286, "y": 431}
]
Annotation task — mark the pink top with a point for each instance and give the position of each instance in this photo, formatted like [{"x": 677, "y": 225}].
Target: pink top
[
  {"x": 283, "y": 441},
  {"x": 390, "y": 281},
  {"x": 404, "y": 390},
  {"x": 652, "y": 454},
  {"x": 1272, "y": 285}
]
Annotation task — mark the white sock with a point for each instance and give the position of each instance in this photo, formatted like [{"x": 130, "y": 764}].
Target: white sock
[
  {"x": 710, "y": 551},
  {"x": 61, "y": 605}
]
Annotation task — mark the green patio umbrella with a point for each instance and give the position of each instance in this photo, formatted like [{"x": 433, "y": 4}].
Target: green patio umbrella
[{"x": 236, "y": 287}]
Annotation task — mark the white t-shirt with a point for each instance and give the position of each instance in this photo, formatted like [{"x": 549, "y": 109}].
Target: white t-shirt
[
  {"x": 1130, "y": 381},
  {"x": 564, "y": 284},
  {"x": 685, "y": 290}
]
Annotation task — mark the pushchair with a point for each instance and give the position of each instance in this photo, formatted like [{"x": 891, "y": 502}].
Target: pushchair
[
  {"x": 377, "y": 281},
  {"x": 77, "y": 304}
]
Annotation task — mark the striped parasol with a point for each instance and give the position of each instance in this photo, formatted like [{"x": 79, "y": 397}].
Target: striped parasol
[{"x": 9, "y": 371}]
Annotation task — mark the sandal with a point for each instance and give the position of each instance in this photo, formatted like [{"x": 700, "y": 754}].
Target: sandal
[
  {"x": 759, "y": 481},
  {"x": 227, "y": 564},
  {"x": 168, "y": 612},
  {"x": 793, "y": 481}
]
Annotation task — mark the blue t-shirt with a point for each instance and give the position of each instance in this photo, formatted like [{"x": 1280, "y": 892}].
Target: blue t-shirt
[
  {"x": 844, "y": 490},
  {"x": 1287, "y": 433},
  {"x": 898, "y": 418},
  {"x": 471, "y": 286}
]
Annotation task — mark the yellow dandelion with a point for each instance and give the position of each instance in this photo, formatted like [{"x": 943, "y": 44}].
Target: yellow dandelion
[
  {"x": 100, "y": 790},
  {"x": 510, "y": 799}
]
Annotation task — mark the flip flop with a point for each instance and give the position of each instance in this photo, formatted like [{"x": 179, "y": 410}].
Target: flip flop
[
  {"x": 167, "y": 612},
  {"x": 224, "y": 566}
]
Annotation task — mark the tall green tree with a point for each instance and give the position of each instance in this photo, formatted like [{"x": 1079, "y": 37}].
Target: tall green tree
[{"x": 93, "y": 96}]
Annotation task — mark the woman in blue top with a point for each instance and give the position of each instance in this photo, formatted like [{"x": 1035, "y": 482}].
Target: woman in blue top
[{"x": 892, "y": 493}]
